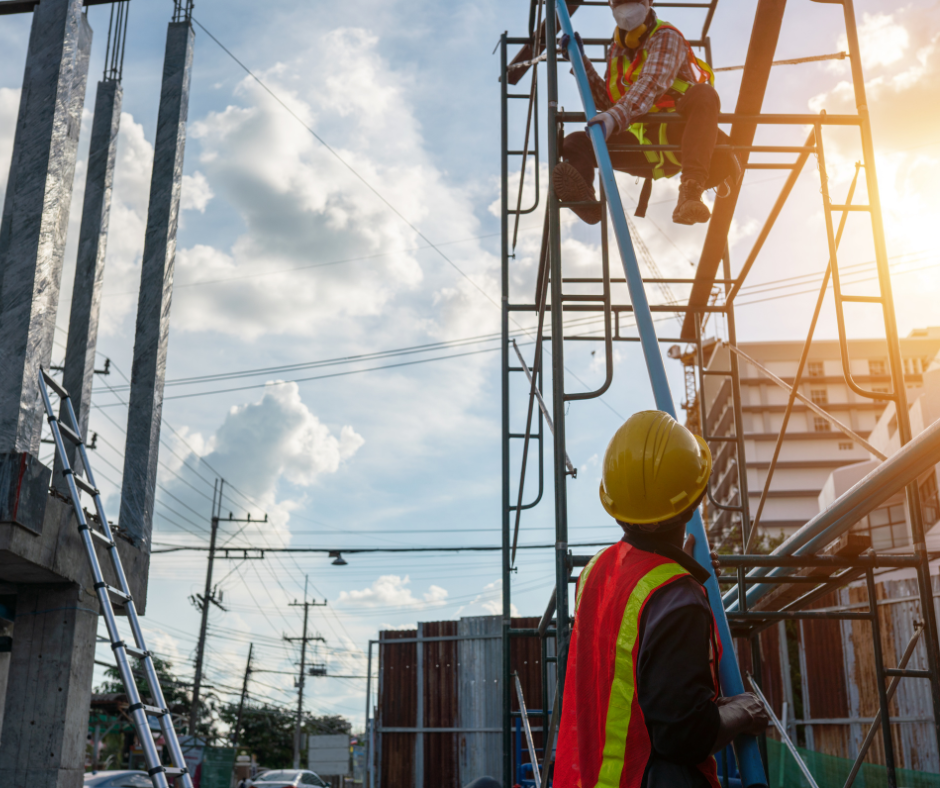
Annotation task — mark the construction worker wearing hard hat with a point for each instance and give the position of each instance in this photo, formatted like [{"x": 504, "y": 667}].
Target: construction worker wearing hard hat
[
  {"x": 650, "y": 68},
  {"x": 642, "y": 705}
]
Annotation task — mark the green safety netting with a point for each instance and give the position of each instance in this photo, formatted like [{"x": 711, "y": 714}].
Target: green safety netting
[{"x": 830, "y": 771}]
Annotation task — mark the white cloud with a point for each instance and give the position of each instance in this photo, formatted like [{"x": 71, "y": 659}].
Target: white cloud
[
  {"x": 262, "y": 446},
  {"x": 392, "y": 591},
  {"x": 488, "y": 602},
  {"x": 301, "y": 207},
  {"x": 195, "y": 193},
  {"x": 882, "y": 40}
]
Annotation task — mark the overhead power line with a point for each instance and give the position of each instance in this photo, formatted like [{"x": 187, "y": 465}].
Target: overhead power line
[{"x": 351, "y": 550}]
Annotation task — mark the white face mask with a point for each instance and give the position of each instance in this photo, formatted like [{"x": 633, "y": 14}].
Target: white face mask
[{"x": 630, "y": 16}]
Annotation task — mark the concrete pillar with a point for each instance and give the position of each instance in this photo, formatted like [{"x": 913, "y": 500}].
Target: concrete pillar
[
  {"x": 89, "y": 266},
  {"x": 156, "y": 288},
  {"x": 32, "y": 243},
  {"x": 36, "y": 212},
  {"x": 42, "y": 743}
]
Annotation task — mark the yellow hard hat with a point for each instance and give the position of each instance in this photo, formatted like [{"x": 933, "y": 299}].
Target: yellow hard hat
[{"x": 654, "y": 469}]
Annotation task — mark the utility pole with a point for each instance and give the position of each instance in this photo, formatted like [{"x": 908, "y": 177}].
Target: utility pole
[
  {"x": 303, "y": 658},
  {"x": 209, "y": 596},
  {"x": 241, "y": 703}
]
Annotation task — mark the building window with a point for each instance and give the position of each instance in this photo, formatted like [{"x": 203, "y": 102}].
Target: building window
[
  {"x": 820, "y": 424},
  {"x": 877, "y": 367},
  {"x": 929, "y": 503},
  {"x": 819, "y": 396},
  {"x": 887, "y": 527},
  {"x": 846, "y": 446},
  {"x": 815, "y": 369}
]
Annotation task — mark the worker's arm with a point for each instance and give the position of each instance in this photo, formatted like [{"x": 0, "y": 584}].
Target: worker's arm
[
  {"x": 675, "y": 687},
  {"x": 595, "y": 81},
  {"x": 666, "y": 55},
  {"x": 598, "y": 87}
]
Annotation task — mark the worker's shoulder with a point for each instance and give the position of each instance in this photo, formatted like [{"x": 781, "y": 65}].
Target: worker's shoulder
[{"x": 683, "y": 592}]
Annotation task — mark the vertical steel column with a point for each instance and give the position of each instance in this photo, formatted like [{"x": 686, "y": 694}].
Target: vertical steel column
[
  {"x": 36, "y": 213},
  {"x": 419, "y": 708},
  {"x": 894, "y": 355},
  {"x": 367, "y": 777},
  {"x": 504, "y": 358},
  {"x": 741, "y": 459},
  {"x": 79, "y": 373},
  {"x": 558, "y": 365},
  {"x": 156, "y": 289},
  {"x": 883, "y": 702}
]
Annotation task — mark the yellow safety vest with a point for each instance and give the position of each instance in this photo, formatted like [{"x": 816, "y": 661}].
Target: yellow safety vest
[{"x": 621, "y": 76}]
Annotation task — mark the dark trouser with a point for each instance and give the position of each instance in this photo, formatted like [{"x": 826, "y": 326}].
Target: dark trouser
[{"x": 697, "y": 136}]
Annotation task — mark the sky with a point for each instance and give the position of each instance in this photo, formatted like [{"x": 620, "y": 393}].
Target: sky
[{"x": 299, "y": 245}]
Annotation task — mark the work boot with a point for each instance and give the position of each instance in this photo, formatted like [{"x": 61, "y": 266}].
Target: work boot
[
  {"x": 570, "y": 186},
  {"x": 690, "y": 209}
]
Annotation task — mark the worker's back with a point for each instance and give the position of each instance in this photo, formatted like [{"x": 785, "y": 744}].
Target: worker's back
[{"x": 604, "y": 739}]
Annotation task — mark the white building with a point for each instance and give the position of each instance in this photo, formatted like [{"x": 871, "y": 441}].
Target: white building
[
  {"x": 889, "y": 525},
  {"x": 813, "y": 449}
]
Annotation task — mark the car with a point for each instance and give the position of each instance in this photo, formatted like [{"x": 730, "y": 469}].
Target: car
[
  {"x": 125, "y": 778},
  {"x": 288, "y": 778}
]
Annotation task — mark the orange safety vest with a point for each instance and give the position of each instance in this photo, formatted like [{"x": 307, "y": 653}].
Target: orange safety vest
[
  {"x": 603, "y": 741},
  {"x": 623, "y": 73}
]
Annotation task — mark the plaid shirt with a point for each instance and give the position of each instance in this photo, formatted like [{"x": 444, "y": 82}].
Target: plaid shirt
[{"x": 667, "y": 60}]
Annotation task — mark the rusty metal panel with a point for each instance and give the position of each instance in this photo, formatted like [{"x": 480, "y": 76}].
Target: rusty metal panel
[
  {"x": 440, "y": 706},
  {"x": 398, "y": 708},
  {"x": 824, "y": 680},
  {"x": 914, "y": 742},
  {"x": 480, "y": 696}
]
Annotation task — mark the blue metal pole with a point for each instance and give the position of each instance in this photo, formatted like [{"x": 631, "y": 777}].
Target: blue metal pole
[{"x": 747, "y": 751}]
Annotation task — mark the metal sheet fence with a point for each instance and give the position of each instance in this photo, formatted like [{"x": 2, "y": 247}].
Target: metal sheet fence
[
  {"x": 444, "y": 730},
  {"x": 834, "y": 684}
]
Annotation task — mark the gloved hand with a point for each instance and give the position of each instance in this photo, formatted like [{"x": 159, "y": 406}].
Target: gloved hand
[
  {"x": 566, "y": 40},
  {"x": 606, "y": 122},
  {"x": 740, "y": 714}
]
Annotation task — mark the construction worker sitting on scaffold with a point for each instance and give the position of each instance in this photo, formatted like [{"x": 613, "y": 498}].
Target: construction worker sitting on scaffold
[
  {"x": 650, "y": 68},
  {"x": 642, "y": 706}
]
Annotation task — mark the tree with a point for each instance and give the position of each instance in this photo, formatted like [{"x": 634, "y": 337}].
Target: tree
[
  {"x": 176, "y": 693},
  {"x": 268, "y": 731}
]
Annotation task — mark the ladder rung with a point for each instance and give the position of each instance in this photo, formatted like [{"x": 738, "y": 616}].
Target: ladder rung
[
  {"x": 175, "y": 771},
  {"x": 136, "y": 652},
  {"x": 100, "y": 536},
  {"x": 153, "y": 711},
  {"x": 68, "y": 432},
  {"x": 82, "y": 484},
  {"x": 833, "y": 207},
  {"x": 860, "y": 299},
  {"x": 51, "y": 383},
  {"x": 112, "y": 590}
]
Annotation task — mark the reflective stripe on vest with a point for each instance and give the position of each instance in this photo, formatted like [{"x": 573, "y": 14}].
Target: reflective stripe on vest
[
  {"x": 623, "y": 687},
  {"x": 657, "y": 158},
  {"x": 582, "y": 578}
]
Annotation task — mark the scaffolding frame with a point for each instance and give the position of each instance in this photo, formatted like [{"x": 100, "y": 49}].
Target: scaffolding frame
[{"x": 753, "y": 574}]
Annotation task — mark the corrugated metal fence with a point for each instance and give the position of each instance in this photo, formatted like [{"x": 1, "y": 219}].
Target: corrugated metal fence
[
  {"x": 444, "y": 730},
  {"x": 835, "y": 678}
]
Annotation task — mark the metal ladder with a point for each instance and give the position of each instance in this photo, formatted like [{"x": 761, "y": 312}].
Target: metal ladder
[{"x": 138, "y": 710}]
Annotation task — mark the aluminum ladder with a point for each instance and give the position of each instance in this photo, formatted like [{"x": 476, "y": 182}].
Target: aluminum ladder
[{"x": 138, "y": 710}]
